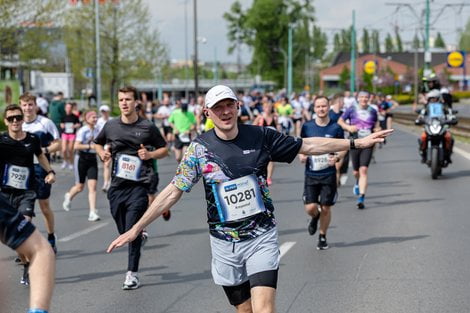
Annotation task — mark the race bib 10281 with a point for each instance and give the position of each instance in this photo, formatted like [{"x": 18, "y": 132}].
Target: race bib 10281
[
  {"x": 238, "y": 198},
  {"x": 128, "y": 167},
  {"x": 16, "y": 176}
]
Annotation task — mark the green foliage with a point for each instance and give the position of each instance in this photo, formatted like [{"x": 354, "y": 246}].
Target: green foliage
[
  {"x": 319, "y": 42},
  {"x": 264, "y": 28},
  {"x": 367, "y": 82},
  {"x": 375, "y": 41},
  {"x": 439, "y": 43},
  {"x": 130, "y": 48},
  {"x": 344, "y": 77},
  {"x": 399, "y": 47},
  {"x": 461, "y": 95},
  {"x": 464, "y": 41},
  {"x": 389, "y": 46},
  {"x": 365, "y": 41}
]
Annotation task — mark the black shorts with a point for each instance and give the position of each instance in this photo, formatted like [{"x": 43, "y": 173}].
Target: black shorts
[
  {"x": 295, "y": 120},
  {"x": 21, "y": 200},
  {"x": 361, "y": 157},
  {"x": 43, "y": 190},
  {"x": 14, "y": 228},
  {"x": 86, "y": 165},
  {"x": 320, "y": 189},
  {"x": 238, "y": 294},
  {"x": 179, "y": 144},
  {"x": 153, "y": 187},
  {"x": 167, "y": 130}
]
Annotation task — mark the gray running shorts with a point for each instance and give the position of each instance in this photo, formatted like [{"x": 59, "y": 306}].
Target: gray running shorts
[{"x": 233, "y": 263}]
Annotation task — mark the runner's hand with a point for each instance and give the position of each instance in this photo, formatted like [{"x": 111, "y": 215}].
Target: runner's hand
[
  {"x": 332, "y": 159},
  {"x": 105, "y": 155},
  {"x": 352, "y": 129},
  {"x": 303, "y": 158},
  {"x": 120, "y": 241},
  {"x": 143, "y": 153},
  {"x": 372, "y": 139},
  {"x": 50, "y": 178}
]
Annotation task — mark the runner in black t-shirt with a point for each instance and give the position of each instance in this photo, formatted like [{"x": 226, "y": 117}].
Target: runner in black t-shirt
[
  {"x": 232, "y": 160},
  {"x": 128, "y": 138},
  {"x": 17, "y": 168}
]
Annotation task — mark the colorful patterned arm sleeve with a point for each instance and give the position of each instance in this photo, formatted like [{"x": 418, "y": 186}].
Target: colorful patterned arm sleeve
[{"x": 188, "y": 172}]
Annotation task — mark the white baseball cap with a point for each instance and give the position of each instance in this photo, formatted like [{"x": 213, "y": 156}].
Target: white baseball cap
[
  {"x": 105, "y": 108},
  {"x": 218, "y": 93},
  {"x": 433, "y": 94}
]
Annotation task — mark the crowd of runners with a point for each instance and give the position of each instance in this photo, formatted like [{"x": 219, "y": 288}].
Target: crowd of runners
[{"x": 231, "y": 141}]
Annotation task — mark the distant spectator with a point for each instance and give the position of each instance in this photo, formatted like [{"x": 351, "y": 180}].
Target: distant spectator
[
  {"x": 57, "y": 109},
  {"x": 42, "y": 104}
]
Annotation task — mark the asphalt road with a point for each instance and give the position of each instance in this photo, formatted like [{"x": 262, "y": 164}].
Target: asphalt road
[{"x": 408, "y": 251}]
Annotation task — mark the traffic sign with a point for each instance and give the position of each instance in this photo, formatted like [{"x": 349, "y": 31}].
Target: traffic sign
[{"x": 456, "y": 59}]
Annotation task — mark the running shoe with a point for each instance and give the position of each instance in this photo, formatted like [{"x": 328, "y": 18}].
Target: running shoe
[
  {"x": 25, "y": 277},
  {"x": 131, "y": 282},
  {"x": 67, "y": 202},
  {"x": 167, "y": 215},
  {"x": 70, "y": 167},
  {"x": 312, "y": 226},
  {"x": 93, "y": 217},
  {"x": 356, "y": 190},
  {"x": 64, "y": 165},
  {"x": 360, "y": 203},
  {"x": 52, "y": 243},
  {"x": 322, "y": 244},
  {"x": 145, "y": 237}
]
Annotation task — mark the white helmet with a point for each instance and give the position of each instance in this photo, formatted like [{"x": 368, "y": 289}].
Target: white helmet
[{"x": 433, "y": 94}]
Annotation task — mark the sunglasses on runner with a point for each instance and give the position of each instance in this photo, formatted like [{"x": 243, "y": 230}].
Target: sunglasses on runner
[{"x": 12, "y": 118}]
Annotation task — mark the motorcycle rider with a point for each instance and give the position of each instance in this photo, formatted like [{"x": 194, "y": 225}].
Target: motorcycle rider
[{"x": 434, "y": 97}]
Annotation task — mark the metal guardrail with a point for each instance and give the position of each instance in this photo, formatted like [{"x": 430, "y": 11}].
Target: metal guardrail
[{"x": 461, "y": 129}]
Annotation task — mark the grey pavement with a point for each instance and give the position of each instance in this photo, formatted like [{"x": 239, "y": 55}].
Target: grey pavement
[{"x": 407, "y": 251}]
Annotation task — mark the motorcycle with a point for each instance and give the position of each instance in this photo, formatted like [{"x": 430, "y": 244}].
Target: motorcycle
[{"x": 436, "y": 123}]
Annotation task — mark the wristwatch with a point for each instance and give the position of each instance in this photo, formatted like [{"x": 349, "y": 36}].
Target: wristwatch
[{"x": 352, "y": 145}]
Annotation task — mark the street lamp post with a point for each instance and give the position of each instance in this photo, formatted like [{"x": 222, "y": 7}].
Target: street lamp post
[
  {"x": 196, "y": 74},
  {"x": 98, "y": 53}
]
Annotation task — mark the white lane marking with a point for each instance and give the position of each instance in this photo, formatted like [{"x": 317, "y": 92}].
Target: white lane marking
[
  {"x": 82, "y": 232},
  {"x": 463, "y": 153},
  {"x": 286, "y": 246}
]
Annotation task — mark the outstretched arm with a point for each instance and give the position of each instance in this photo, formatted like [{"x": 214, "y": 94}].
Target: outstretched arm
[
  {"x": 162, "y": 203},
  {"x": 321, "y": 145}
]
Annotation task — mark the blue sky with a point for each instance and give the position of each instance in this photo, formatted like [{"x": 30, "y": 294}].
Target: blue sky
[{"x": 168, "y": 17}]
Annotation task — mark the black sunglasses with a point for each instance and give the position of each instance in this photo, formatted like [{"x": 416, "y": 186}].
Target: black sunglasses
[{"x": 12, "y": 118}]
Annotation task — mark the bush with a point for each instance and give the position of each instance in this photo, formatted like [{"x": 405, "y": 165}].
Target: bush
[
  {"x": 403, "y": 98},
  {"x": 457, "y": 95}
]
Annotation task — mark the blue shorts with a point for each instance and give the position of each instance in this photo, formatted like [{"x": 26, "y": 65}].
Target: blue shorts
[{"x": 43, "y": 190}]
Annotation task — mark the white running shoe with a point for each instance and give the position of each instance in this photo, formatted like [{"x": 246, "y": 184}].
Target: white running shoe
[
  {"x": 64, "y": 165},
  {"x": 93, "y": 217},
  {"x": 67, "y": 202},
  {"x": 70, "y": 167},
  {"x": 131, "y": 282}
]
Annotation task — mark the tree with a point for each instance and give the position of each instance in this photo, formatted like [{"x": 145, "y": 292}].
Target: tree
[
  {"x": 28, "y": 30},
  {"x": 319, "y": 42},
  {"x": 389, "y": 47},
  {"x": 266, "y": 24},
  {"x": 130, "y": 48},
  {"x": 344, "y": 77},
  {"x": 464, "y": 41},
  {"x": 439, "y": 43},
  {"x": 399, "y": 47},
  {"x": 375, "y": 41},
  {"x": 365, "y": 41},
  {"x": 337, "y": 43},
  {"x": 238, "y": 33}
]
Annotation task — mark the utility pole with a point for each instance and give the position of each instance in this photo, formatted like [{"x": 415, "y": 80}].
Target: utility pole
[
  {"x": 427, "y": 53},
  {"x": 195, "y": 65},
  {"x": 289, "y": 62},
  {"x": 98, "y": 54},
  {"x": 186, "y": 70},
  {"x": 352, "y": 79}
]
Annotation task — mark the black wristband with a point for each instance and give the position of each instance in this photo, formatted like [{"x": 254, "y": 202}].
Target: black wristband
[
  {"x": 352, "y": 145},
  {"x": 51, "y": 171}
]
